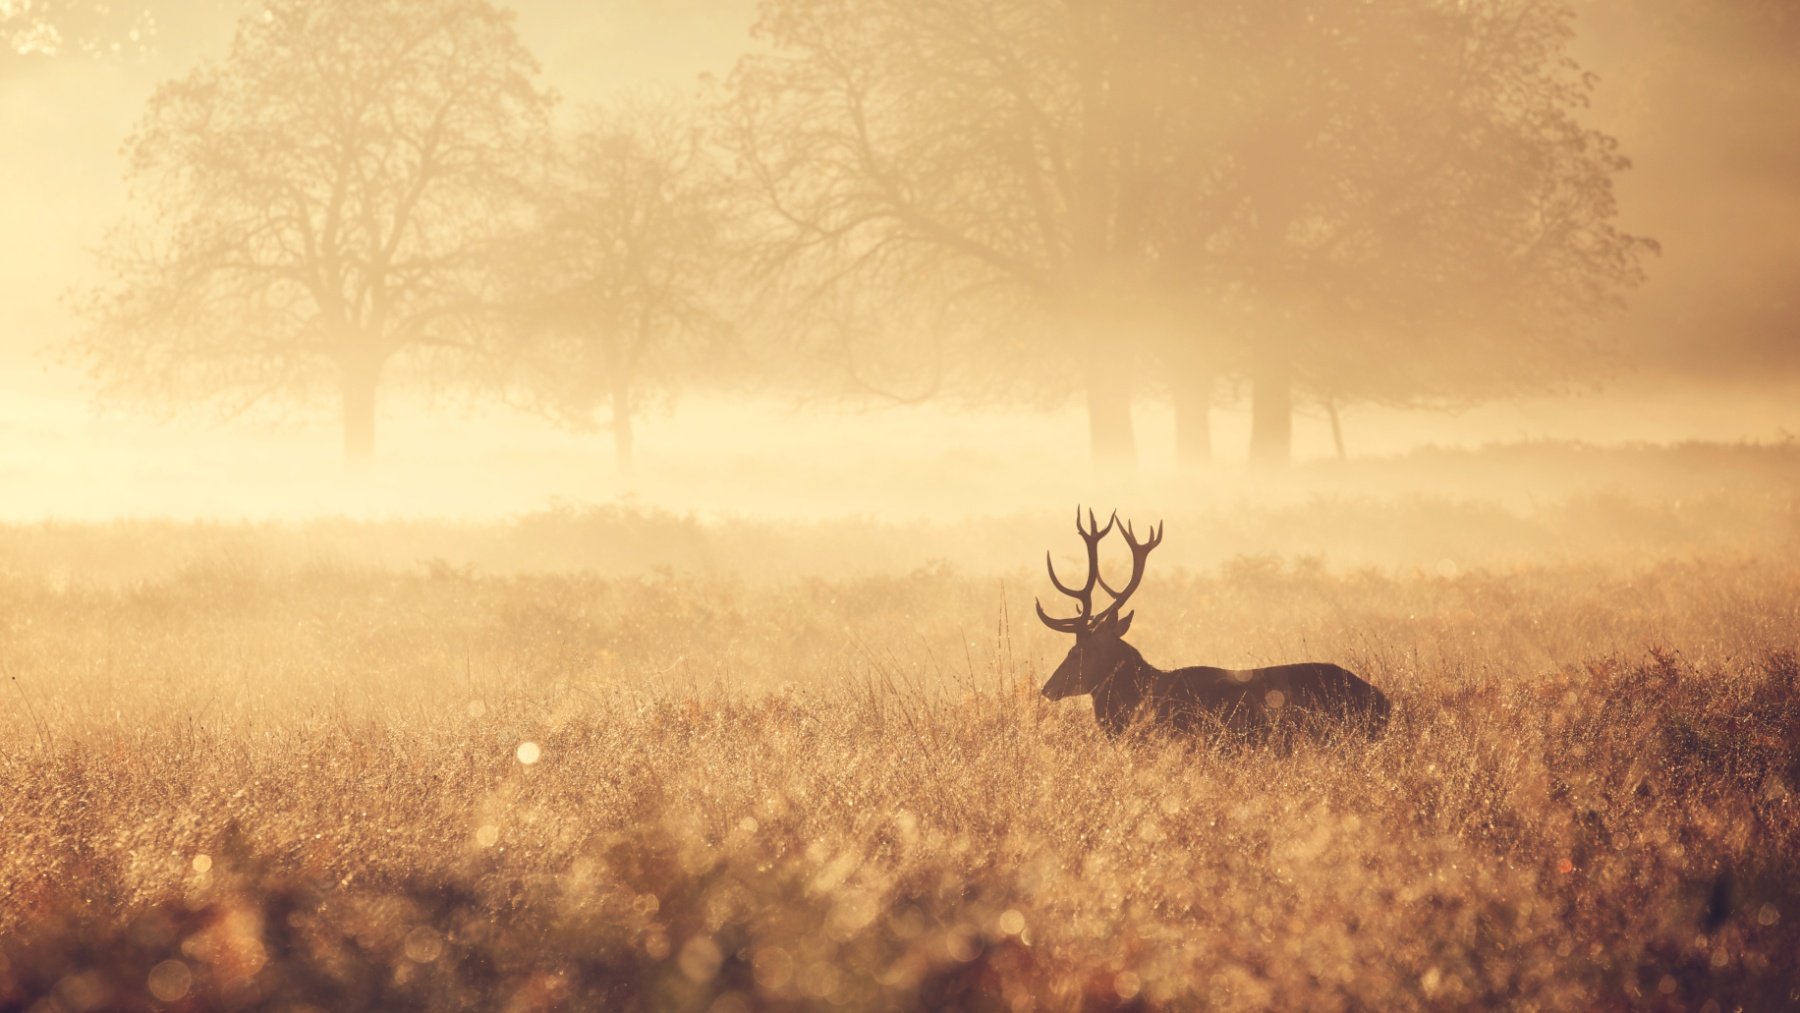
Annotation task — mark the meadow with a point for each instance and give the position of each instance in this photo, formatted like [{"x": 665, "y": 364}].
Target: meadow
[{"x": 613, "y": 759}]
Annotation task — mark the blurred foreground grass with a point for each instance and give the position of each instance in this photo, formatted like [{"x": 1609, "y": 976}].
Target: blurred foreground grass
[{"x": 258, "y": 778}]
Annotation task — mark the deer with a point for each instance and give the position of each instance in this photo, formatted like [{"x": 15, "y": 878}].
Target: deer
[{"x": 1250, "y": 703}]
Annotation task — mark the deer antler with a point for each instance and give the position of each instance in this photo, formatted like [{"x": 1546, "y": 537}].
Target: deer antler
[
  {"x": 1140, "y": 552},
  {"x": 1084, "y": 595}
]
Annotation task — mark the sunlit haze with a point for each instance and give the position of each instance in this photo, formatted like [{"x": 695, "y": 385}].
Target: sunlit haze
[{"x": 726, "y": 505}]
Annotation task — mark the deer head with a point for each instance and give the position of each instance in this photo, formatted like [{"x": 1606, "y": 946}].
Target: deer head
[{"x": 1100, "y": 651}]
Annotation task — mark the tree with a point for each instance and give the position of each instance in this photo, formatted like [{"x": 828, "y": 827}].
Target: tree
[
  {"x": 968, "y": 147},
  {"x": 1416, "y": 214},
  {"x": 1386, "y": 202},
  {"x": 623, "y": 271},
  {"x": 324, "y": 203}
]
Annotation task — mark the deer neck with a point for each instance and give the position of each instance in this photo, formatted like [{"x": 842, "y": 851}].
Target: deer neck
[{"x": 1117, "y": 697}]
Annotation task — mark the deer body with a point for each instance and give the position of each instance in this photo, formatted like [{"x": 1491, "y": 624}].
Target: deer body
[
  {"x": 1127, "y": 688},
  {"x": 1244, "y": 701}
]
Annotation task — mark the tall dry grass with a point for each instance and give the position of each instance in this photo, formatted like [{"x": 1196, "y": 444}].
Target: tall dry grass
[{"x": 254, "y": 780}]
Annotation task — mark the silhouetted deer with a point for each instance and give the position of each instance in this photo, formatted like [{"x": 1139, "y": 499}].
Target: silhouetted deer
[{"x": 1123, "y": 683}]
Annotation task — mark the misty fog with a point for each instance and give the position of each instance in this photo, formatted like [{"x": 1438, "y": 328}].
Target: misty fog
[{"x": 879, "y": 401}]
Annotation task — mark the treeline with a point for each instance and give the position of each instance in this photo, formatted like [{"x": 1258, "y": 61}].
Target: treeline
[
  {"x": 1305, "y": 203},
  {"x": 1518, "y": 507}
]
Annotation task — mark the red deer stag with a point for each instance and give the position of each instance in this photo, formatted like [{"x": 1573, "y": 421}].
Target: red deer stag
[{"x": 1245, "y": 701}]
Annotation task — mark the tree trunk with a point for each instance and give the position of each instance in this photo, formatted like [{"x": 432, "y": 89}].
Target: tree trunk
[
  {"x": 1193, "y": 420},
  {"x": 1337, "y": 428},
  {"x": 1109, "y": 425},
  {"x": 359, "y": 384},
  {"x": 621, "y": 428},
  {"x": 1271, "y": 413}
]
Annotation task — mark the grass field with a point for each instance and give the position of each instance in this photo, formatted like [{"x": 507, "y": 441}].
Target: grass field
[{"x": 739, "y": 766}]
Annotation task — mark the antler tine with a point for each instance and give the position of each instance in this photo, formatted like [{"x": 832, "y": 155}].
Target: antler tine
[
  {"x": 1094, "y": 532},
  {"x": 1061, "y": 625},
  {"x": 1060, "y": 586},
  {"x": 1140, "y": 553},
  {"x": 1093, "y": 536},
  {"x": 1091, "y": 533}
]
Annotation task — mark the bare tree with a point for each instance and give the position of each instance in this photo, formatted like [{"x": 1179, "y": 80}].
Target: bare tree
[
  {"x": 1392, "y": 202},
  {"x": 618, "y": 287},
  {"x": 321, "y": 203},
  {"x": 1402, "y": 206},
  {"x": 1005, "y": 144}
]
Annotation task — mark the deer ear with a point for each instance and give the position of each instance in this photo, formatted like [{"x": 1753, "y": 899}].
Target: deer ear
[{"x": 1122, "y": 626}]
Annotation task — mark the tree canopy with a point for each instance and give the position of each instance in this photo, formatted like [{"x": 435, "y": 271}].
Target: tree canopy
[
  {"x": 1000, "y": 147},
  {"x": 1402, "y": 206},
  {"x": 322, "y": 202},
  {"x": 1394, "y": 202},
  {"x": 620, "y": 283}
]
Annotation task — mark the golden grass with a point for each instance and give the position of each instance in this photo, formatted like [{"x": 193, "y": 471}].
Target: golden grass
[{"x": 251, "y": 783}]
